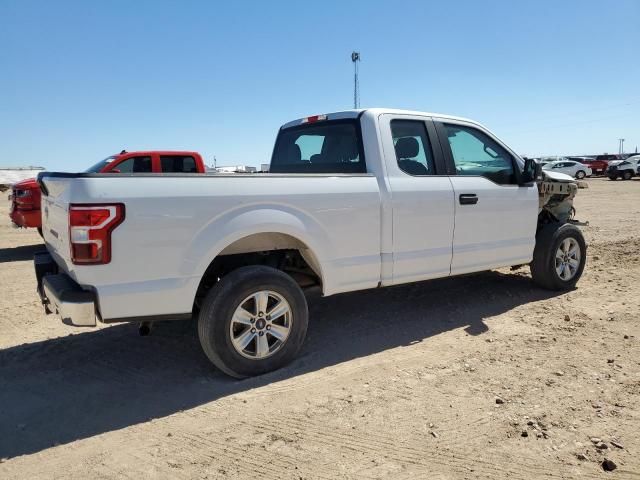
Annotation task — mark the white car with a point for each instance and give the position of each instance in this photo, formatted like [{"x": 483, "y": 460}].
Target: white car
[
  {"x": 624, "y": 169},
  {"x": 569, "y": 167},
  {"x": 354, "y": 200}
]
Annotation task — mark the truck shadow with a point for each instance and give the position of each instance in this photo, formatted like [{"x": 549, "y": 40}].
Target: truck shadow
[
  {"x": 19, "y": 254},
  {"x": 64, "y": 389}
]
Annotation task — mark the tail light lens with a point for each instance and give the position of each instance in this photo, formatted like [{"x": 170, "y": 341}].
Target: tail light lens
[
  {"x": 23, "y": 199},
  {"x": 90, "y": 228}
]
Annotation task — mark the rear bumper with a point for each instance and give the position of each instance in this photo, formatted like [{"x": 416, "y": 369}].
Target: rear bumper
[{"x": 61, "y": 295}]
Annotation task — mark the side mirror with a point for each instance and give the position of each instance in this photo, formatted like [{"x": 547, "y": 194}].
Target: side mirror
[{"x": 531, "y": 172}]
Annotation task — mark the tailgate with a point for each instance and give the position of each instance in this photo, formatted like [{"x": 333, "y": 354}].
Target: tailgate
[{"x": 55, "y": 205}]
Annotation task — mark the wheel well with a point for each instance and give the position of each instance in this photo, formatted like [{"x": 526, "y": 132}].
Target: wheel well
[{"x": 275, "y": 250}]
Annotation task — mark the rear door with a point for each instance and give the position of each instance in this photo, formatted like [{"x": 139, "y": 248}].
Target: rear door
[
  {"x": 421, "y": 197},
  {"x": 495, "y": 218}
]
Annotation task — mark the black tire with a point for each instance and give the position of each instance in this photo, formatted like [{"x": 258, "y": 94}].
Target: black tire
[
  {"x": 580, "y": 174},
  {"x": 543, "y": 266},
  {"x": 626, "y": 175},
  {"x": 40, "y": 232},
  {"x": 220, "y": 304},
  {"x": 612, "y": 177}
]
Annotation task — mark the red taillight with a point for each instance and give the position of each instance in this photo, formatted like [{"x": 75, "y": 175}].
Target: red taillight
[
  {"x": 23, "y": 199},
  {"x": 90, "y": 228}
]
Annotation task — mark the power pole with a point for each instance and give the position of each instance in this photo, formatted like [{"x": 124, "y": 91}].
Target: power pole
[
  {"x": 621, "y": 145},
  {"x": 355, "y": 58}
]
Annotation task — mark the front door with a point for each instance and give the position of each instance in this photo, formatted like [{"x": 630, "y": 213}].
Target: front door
[{"x": 495, "y": 217}]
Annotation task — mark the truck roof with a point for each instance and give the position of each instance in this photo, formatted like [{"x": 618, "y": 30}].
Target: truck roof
[
  {"x": 355, "y": 113},
  {"x": 158, "y": 152}
]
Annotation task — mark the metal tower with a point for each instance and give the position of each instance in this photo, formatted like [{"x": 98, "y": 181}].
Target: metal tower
[{"x": 355, "y": 58}]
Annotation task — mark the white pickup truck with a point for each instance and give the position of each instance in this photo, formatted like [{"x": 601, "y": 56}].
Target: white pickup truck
[{"x": 354, "y": 200}]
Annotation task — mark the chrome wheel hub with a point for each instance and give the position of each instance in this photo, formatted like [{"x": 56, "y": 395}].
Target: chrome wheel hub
[
  {"x": 261, "y": 325},
  {"x": 567, "y": 259}
]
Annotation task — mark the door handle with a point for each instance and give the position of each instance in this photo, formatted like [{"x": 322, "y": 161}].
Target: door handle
[{"x": 468, "y": 199}]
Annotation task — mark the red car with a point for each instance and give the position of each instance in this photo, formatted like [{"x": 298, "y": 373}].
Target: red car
[
  {"x": 25, "y": 195},
  {"x": 600, "y": 163}
]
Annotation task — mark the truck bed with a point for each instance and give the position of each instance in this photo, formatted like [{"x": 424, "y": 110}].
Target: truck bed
[{"x": 177, "y": 223}]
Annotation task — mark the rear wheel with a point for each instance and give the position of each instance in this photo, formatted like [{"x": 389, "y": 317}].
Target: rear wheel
[
  {"x": 580, "y": 174},
  {"x": 626, "y": 175},
  {"x": 559, "y": 257},
  {"x": 253, "y": 321}
]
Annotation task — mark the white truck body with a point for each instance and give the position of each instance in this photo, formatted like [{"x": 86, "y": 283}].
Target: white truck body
[
  {"x": 356, "y": 231},
  {"x": 354, "y": 200}
]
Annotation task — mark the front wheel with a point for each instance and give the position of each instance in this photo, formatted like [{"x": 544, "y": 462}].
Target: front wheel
[
  {"x": 580, "y": 174},
  {"x": 559, "y": 256},
  {"x": 253, "y": 321},
  {"x": 612, "y": 177}
]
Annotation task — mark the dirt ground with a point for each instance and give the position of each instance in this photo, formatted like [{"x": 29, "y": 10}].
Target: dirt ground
[{"x": 479, "y": 377}]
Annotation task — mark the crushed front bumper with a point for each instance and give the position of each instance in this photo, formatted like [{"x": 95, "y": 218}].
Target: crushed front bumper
[{"x": 61, "y": 295}]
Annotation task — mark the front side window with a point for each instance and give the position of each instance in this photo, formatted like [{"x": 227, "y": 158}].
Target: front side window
[
  {"x": 476, "y": 154},
  {"x": 134, "y": 165},
  {"x": 331, "y": 147},
  {"x": 178, "y": 164},
  {"x": 413, "y": 150}
]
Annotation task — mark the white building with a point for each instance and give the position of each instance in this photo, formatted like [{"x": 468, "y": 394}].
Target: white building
[
  {"x": 9, "y": 175},
  {"x": 235, "y": 169}
]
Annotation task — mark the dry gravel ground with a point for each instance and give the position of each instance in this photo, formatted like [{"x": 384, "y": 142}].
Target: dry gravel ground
[{"x": 397, "y": 383}]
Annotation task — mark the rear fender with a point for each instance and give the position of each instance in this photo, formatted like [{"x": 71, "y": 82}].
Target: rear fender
[{"x": 243, "y": 222}]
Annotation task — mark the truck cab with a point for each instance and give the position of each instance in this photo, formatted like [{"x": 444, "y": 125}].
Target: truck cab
[{"x": 150, "y": 162}]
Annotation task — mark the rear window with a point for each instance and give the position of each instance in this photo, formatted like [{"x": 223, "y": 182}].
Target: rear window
[
  {"x": 178, "y": 163},
  {"x": 329, "y": 147}
]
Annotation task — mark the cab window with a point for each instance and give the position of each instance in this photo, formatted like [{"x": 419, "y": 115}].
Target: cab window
[
  {"x": 134, "y": 165},
  {"x": 178, "y": 164},
  {"x": 411, "y": 144},
  {"x": 477, "y": 154},
  {"x": 323, "y": 147}
]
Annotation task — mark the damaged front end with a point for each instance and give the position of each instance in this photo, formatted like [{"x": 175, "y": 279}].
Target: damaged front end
[{"x": 556, "y": 193}]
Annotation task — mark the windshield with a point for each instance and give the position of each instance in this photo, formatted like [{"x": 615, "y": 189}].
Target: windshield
[{"x": 98, "y": 167}]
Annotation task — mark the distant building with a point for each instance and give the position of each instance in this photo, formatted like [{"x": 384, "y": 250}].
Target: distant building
[
  {"x": 235, "y": 169},
  {"x": 264, "y": 167},
  {"x": 10, "y": 175}
]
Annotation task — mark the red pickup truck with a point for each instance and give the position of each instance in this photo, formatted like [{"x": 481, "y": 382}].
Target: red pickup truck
[
  {"x": 600, "y": 163},
  {"x": 25, "y": 195}
]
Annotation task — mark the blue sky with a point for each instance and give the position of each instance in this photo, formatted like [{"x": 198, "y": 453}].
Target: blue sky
[{"x": 82, "y": 80}]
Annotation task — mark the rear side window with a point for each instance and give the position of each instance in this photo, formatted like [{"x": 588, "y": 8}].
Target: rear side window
[
  {"x": 331, "y": 147},
  {"x": 134, "y": 165},
  {"x": 178, "y": 164},
  {"x": 413, "y": 151}
]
